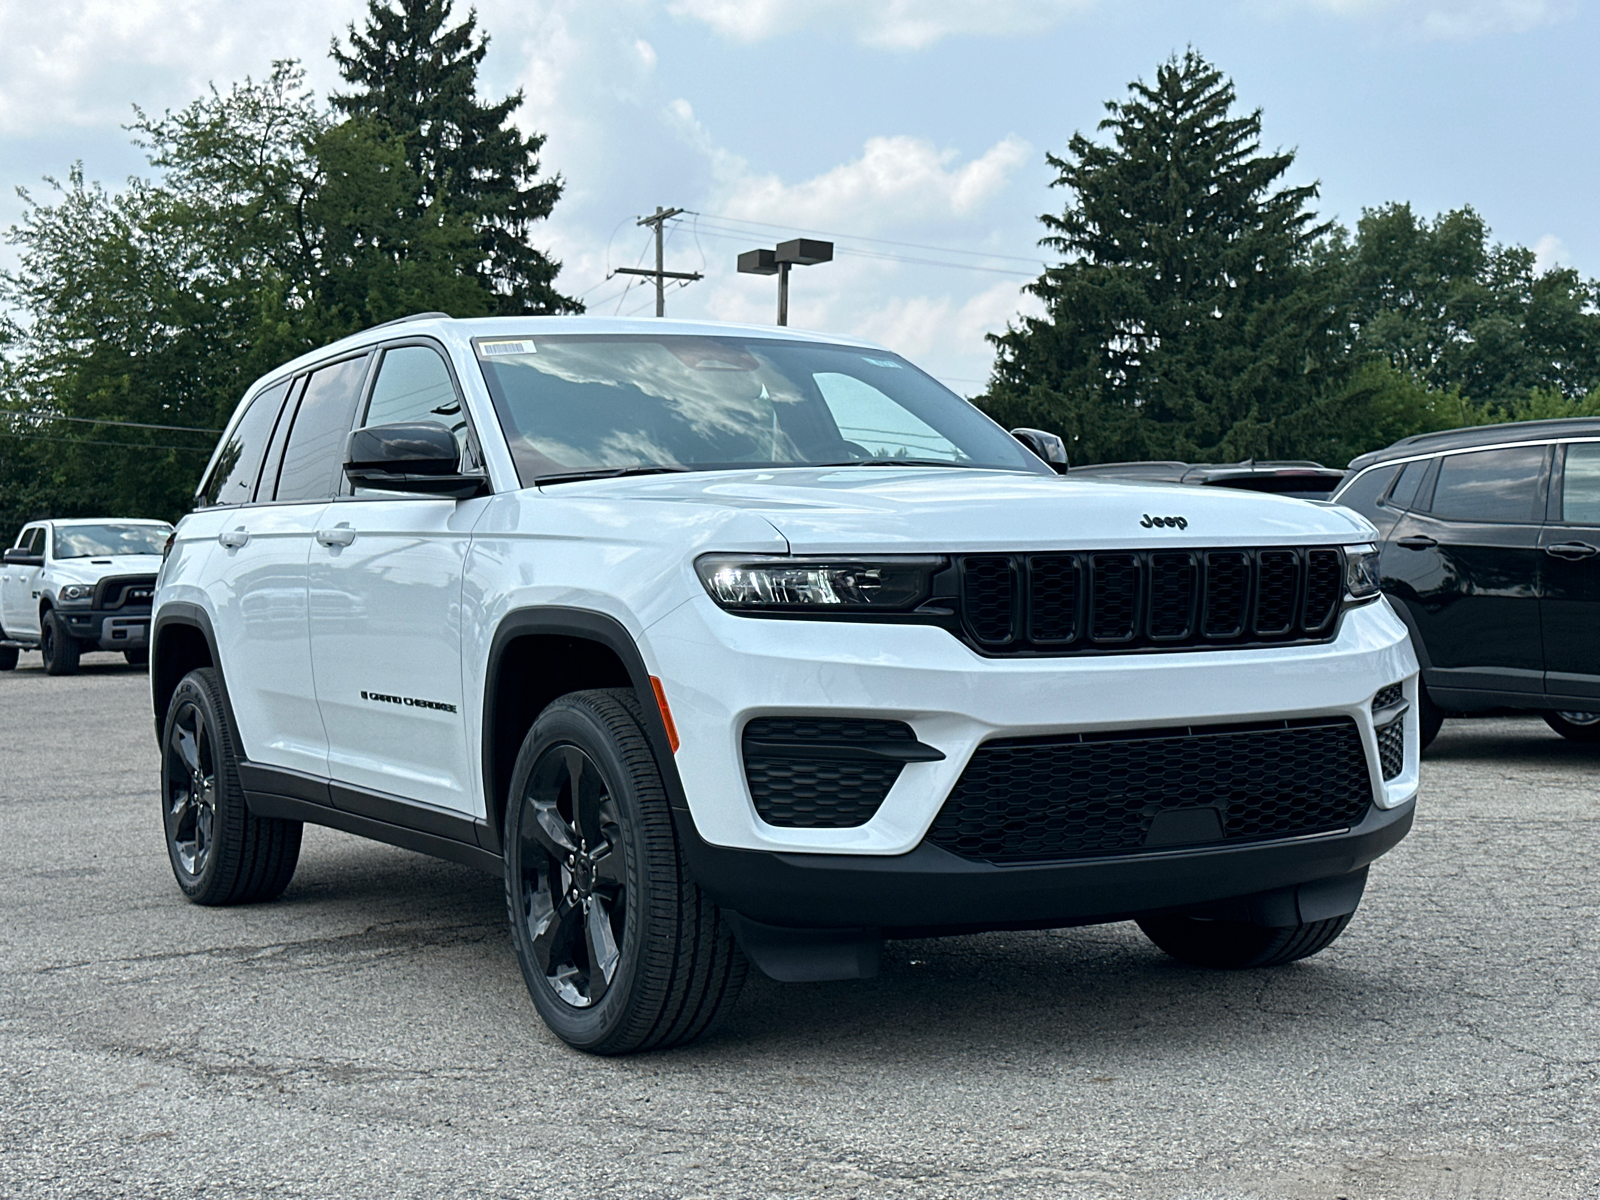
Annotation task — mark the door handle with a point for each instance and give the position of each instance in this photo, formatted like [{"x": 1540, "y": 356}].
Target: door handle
[
  {"x": 234, "y": 538},
  {"x": 1573, "y": 551},
  {"x": 1417, "y": 542},
  {"x": 339, "y": 535}
]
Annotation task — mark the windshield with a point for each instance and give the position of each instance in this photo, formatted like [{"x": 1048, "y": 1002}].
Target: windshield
[
  {"x": 596, "y": 403},
  {"x": 103, "y": 541}
]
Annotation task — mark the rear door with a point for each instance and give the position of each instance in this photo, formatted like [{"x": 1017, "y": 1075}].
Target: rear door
[
  {"x": 19, "y": 606},
  {"x": 1466, "y": 563},
  {"x": 1570, "y": 603},
  {"x": 386, "y": 576}
]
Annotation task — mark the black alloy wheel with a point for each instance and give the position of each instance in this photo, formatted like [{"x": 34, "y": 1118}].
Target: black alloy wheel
[
  {"x": 57, "y": 647},
  {"x": 221, "y": 853},
  {"x": 619, "y": 948},
  {"x": 1575, "y": 726}
]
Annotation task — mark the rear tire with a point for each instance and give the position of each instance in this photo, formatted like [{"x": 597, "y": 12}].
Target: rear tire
[
  {"x": 620, "y": 949},
  {"x": 59, "y": 648},
  {"x": 220, "y": 852},
  {"x": 1575, "y": 727},
  {"x": 1430, "y": 716},
  {"x": 1236, "y": 945},
  {"x": 137, "y": 658},
  {"x": 8, "y": 656}
]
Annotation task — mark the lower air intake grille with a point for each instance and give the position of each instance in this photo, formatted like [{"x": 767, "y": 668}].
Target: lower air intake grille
[
  {"x": 1388, "y": 697},
  {"x": 802, "y": 774},
  {"x": 1081, "y": 796},
  {"x": 1392, "y": 747}
]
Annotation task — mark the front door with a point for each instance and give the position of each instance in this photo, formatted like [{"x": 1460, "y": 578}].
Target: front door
[
  {"x": 1571, "y": 600},
  {"x": 386, "y": 577},
  {"x": 1466, "y": 563}
]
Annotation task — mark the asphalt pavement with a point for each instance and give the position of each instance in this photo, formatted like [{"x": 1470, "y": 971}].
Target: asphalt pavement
[{"x": 369, "y": 1034}]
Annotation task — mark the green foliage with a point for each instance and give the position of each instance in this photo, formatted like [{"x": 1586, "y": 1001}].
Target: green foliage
[{"x": 416, "y": 76}]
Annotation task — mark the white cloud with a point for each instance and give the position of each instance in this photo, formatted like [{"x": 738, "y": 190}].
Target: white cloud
[
  {"x": 1550, "y": 252},
  {"x": 1446, "y": 20},
  {"x": 892, "y": 24}
]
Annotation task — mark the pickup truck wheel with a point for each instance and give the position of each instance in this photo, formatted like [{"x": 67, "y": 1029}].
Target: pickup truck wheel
[
  {"x": 220, "y": 852},
  {"x": 8, "y": 656},
  {"x": 618, "y": 946},
  {"x": 137, "y": 658},
  {"x": 1575, "y": 726},
  {"x": 1234, "y": 945},
  {"x": 59, "y": 648}
]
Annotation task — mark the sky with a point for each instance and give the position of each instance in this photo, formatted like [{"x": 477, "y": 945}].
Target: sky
[{"x": 911, "y": 132}]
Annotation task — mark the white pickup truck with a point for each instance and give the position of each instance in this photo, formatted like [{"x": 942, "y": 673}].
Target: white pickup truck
[{"x": 70, "y": 586}]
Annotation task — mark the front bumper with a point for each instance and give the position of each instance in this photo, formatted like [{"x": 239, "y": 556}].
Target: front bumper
[
  {"x": 719, "y": 671},
  {"x": 119, "y": 630}
]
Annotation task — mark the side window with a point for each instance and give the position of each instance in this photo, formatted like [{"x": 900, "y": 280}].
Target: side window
[
  {"x": 1580, "y": 484},
  {"x": 315, "y": 450},
  {"x": 413, "y": 386},
  {"x": 233, "y": 480},
  {"x": 1490, "y": 485},
  {"x": 877, "y": 424},
  {"x": 1363, "y": 491},
  {"x": 1405, "y": 488}
]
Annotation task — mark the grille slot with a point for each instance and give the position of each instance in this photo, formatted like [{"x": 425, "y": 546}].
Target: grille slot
[
  {"x": 1392, "y": 747},
  {"x": 1111, "y": 601},
  {"x": 1388, "y": 697},
  {"x": 802, "y": 773},
  {"x": 1043, "y": 799}
]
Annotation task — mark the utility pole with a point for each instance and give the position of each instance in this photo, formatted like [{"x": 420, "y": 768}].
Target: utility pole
[{"x": 658, "y": 221}]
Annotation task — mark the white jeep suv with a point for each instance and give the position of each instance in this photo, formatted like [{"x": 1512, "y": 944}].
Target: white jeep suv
[
  {"x": 726, "y": 645},
  {"x": 71, "y": 586}
]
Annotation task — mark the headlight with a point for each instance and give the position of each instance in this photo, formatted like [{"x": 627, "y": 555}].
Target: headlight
[
  {"x": 80, "y": 593},
  {"x": 1361, "y": 572},
  {"x": 755, "y": 583}
]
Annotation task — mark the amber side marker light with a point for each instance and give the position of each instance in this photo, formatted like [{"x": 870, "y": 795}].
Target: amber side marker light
[{"x": 666, "y": 713}]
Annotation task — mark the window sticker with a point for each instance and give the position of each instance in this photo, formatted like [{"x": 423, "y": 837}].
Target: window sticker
[{"x": 514, "y": 346}]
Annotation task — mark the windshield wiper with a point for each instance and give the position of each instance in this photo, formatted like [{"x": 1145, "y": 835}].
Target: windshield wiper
[
  {"x": 886, "y": 462},
  {"x": 606, "y": 473}
]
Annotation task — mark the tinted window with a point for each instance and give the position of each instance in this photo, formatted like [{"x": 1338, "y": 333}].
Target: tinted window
[
  {"x": 233, "y": 480},
  {"x": 1405, "y": 488},
  {"x": 1490, "y": 485},
  {"x": 1580, "y": 484},
  {"x": 321, "y": 426},
  {"x": 1363, "y": 491},
  {"x": 414, "y": 385}
]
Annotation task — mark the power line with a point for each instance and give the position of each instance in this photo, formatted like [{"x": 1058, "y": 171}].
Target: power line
[
  {"x": 44, "y": 437},
  {"x": 10, "y": 412},
  {"x": 853, "y": 237},
  {"x": 737, "y": 236}
]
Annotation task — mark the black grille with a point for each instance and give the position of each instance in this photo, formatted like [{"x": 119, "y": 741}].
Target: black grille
[
  {"x": 1388, "y": 697},
  {"x": 1392, "y": 747},
  {"x": 802, "y": 775},
  {"x": 1080, "y": 796},
  {"x": 1150, "y": 599},
  {"x": 125, "y": 591}
]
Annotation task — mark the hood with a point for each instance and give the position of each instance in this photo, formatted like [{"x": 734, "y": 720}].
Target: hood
[
  {"x": 941, "y": 509},
  {"x": 91, "y": 570}
]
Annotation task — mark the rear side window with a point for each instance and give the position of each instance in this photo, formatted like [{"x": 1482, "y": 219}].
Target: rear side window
[
  {"x": 315, "y": 451},
  {"x": 1580, "y": 484},
  {"x": 1363, "y": 492},
  {"x": 414, "y": 385},
  {"x": 1490, "y": 485},
  {"x": 233, "y": 479},
  {"x": 1405, "y": 488}
]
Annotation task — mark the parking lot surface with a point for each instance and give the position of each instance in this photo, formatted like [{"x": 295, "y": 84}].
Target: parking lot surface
[{"x": 369, "y": 1034}]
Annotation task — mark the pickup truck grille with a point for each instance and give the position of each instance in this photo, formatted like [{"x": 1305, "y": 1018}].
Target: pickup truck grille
[
  {"x": 1091, "y": 795},
  {"x": 131, "y": 592},
  {"x": 1149, "y": 599}
]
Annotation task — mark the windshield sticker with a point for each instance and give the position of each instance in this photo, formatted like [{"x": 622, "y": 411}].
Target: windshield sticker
[{"x": 522, "y": 346}]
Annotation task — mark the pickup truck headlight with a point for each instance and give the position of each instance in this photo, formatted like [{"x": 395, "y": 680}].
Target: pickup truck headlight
[
  {"x": 754, "y": 583},
  {"x": 1361, "y": 572},
  {"x": 76, "y": 593}
]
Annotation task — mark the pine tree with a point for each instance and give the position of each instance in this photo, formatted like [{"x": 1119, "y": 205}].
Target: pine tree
[
  {"x": 416, "y": 75},
  {"x": 1189, "y": 317}
]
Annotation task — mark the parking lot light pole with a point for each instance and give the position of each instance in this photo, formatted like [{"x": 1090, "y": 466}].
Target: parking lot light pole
[{"x": 800, "y": 252}]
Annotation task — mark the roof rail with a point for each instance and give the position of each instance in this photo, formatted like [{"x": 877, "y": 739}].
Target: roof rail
[{"x": 427, "y": 316}]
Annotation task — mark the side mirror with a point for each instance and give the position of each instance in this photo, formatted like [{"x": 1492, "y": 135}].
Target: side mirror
[
  {"x": 18, "y": 557},
  {"x": 1048, "y": 446},
  {"x": 421, "y": 458}
]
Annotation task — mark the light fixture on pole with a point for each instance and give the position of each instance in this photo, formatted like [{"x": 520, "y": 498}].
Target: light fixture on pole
[{"x": 801, "y": 252}]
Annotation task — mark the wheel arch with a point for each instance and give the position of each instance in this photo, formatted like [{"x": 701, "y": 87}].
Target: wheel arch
[
  {"x": 572, "y": 649},
  {"x": 181, "y": 640}
]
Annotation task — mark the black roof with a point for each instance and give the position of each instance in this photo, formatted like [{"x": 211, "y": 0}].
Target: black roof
[
  {"x": 1480, "y": 435},
  {"x": 1167, "y": 471}
]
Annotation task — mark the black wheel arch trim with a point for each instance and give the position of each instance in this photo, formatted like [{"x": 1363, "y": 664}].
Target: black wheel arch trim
[
  {"x": 591, "y": 625},
  {"x": 183, "y": 614}
]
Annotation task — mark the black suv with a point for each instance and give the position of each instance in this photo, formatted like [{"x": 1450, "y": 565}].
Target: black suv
[
  {"x": 1299, "y": 478},
  {"x": 1491, "y": 554}
]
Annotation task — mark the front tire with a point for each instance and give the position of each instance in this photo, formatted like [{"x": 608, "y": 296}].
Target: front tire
[
  {"x": 220, "y": 852},
  {"x": 1237, "y": 945},
  {"x": 1575, "y": 726},
  {"x": 59, "y": 648},
  {"x": 620, "y": 949}
]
